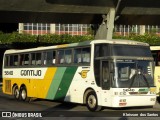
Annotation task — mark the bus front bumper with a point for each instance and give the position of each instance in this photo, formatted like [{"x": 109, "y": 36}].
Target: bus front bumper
[{"x": 131, "y": 101}]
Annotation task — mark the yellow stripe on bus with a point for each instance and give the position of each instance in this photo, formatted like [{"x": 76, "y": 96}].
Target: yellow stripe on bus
[
  {"x": 41, "y": 86},
  {"x": 45, "y": 84},
  {"x": 35, "y": 87}
]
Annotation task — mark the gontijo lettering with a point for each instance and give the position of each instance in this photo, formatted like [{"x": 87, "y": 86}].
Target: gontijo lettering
[{"x": 31, "y": 73}]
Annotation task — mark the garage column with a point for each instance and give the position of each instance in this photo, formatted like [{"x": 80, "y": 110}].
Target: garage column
[
  {"x": 21, "y": 28},
  {"x": 105, "y": 30}
]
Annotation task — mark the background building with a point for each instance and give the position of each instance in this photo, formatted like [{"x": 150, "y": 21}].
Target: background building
[
  {"x": 44, "y": 28},
  {"x": 83, "y": 29},
  {"x": 125, "y": 30}
]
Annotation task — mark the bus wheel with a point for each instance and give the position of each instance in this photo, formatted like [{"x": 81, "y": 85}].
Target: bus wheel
[
  {"x": 92, "y": 102},
  {"x": 23, "y": 94},
  {"x": 16, "y": 92}
]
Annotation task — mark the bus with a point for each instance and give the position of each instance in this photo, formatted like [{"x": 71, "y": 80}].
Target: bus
[
  {"x": 97, "y": 73},
  {"x": 156, "y": 55}
]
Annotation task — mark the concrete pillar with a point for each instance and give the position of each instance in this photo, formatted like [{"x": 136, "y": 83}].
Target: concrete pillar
[
  {"x": 52, "y": 28},
  {"x": 105, "y": 30},
  {"x": 142, "y": 29},
  {"x": 20, "y": 28}
]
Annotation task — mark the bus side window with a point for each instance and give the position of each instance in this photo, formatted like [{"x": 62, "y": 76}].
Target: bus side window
[
  {"x": 6, "y": 60},
  {"x": 44, "y": 58},
  {"x": 38, "y": 59},
  {"x": 77, "y": 55},
  {"x": 61, "y": 56},
  {"x": 49, "y": 57},
  {"x": 79, "y": 58},
  {"x": 15, "y": 60},
  {"x": 21, "y": 59},
  {"x": 54, "y": 57},
  {"x": 33, "y": 59},
  {"x": 11, "y": 60},
  {"x": 25, "y": 60},
  {"x": 86, "y": 55},
  {"x": 68, "y": 56}
]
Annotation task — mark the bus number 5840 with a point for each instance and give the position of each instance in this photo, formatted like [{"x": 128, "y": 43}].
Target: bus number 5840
[{"x": 8, "y": 72}]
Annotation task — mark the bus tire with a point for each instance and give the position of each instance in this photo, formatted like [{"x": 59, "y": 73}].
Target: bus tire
[
  {"x": 16, "y": 93},
  {"x": 92, "y": 102},
  {"x": 23, "y": 94}
]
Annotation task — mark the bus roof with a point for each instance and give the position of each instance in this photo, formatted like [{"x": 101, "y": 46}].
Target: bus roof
[
  {"x": 85, "y": 43},
  {"x": 155, "y": 47}
]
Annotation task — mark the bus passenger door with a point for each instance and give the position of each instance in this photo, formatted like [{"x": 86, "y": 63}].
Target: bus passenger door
[
  {"x": 105, "y": 74},
  {"x": 105, "y": 83},
  {"x": 103, "y": 77}
]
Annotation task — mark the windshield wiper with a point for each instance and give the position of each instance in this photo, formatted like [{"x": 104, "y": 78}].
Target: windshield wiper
[
  {"x": 133, "y": 79},
  {"x": 145, "y": 79},
  {"x": 138, "y": 75}
]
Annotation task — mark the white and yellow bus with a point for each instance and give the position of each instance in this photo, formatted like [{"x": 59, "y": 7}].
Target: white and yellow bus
[
  {"x": 156, "y": 55},
  {"x": 98, "y": 73}
]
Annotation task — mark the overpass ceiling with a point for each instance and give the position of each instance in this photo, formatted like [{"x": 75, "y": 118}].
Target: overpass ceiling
[{"x": 79, "y": 11}]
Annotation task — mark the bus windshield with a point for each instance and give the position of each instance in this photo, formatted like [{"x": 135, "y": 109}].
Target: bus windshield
[{"x": 133, "y": 73}]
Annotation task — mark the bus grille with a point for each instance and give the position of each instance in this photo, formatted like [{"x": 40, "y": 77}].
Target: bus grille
[{"x": 7, "y": 85}]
